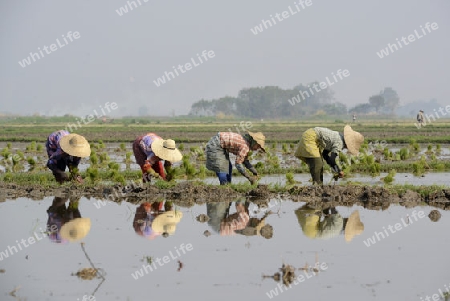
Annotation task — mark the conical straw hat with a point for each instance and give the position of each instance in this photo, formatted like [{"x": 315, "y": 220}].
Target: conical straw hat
[
  {"x": 166, "y": 150},
  {"x": 259, "y": 138},
  {"x": 353, "y": 140},
  {"x": 75, "y": 145}
]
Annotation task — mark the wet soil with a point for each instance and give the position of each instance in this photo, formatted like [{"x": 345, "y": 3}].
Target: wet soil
[{"x": 186, "y": 194}]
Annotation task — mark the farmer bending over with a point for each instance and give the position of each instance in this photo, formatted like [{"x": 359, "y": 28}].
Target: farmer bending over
[
  {"x": 321, "y": 143},
  {"x": 149, "y": 150},
  {"x": 218, "y": 158},
  {"x": 65, "y": 150}
]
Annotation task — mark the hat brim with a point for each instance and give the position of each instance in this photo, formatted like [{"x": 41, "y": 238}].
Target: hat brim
[
  {"x": 167, "y": 218},
  {"x": 76, "y": 229},
  {"x": 353, "y": 140},
  {"x": 354, "y": 226},
  {"x": 258, "y": 140},
  {"x": 171, "y": 155},
  {"x": 82, "y": 149}
]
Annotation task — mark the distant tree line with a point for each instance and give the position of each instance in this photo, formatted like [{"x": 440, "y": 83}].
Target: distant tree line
[{"x": 302, "y": 100}]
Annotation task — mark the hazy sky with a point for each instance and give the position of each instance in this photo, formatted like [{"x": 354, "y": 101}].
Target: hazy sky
[{"x": 117, "y": 58}]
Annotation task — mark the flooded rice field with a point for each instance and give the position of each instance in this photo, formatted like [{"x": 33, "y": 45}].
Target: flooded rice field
[{"x": 67, "y": 248}]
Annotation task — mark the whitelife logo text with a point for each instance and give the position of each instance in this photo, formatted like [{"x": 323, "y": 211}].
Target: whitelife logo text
[{"x": 52, "y": 48}]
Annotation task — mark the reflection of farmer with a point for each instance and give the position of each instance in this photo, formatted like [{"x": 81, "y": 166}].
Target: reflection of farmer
[
  {"x": 65, "y": 150},
  {"x": 219, "y": 147},
  {"x": 321, "y": 143},
  {"x": 67, "y": 220},
  {"x": 149, "y": 150},
  {"x": 224, "y": 223},
  {"x": 151, "y": 221},
  {"x": 257, "y": 226},
  {"x": 328, "y": 223},
  {"x": 420, "y": 117}
]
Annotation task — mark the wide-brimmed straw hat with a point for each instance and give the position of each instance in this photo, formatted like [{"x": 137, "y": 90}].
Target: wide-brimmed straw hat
[
  {"x": 353, "y": 140},
  {"x": 167, "y": 222},
  {"x": 354, "y": 226},
  {"x": 259, "y": 138},
  {"x": 75, "y": 145},
  {"x": 76, "y": 229},
  {"x": 166, "y": 150}
]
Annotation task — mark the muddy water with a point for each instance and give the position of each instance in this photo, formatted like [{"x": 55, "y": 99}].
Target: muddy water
[
  {"x": 436, "y": 178},
  {"x": 406, "y": 265}
]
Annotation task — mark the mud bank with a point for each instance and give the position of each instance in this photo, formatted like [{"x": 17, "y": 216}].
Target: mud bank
[{"x": 187, "y": 194}]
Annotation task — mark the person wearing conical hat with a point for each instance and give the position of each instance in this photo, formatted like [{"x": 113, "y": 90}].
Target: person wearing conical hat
[
  {"x": 66, "y": 150},
  {"x": 144, "y": 217},
  {"x": 149, "y": 151},
  {"x": 321, "y": 143},
  {"x": 219, "y": 147},
  {"x": 166, "y": 222}
]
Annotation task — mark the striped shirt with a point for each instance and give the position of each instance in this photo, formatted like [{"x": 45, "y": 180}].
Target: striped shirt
[
  {"x": 146, "y": 145},
  {"x": 329, "y": 140},
  {"x": 235, "y": 144}
]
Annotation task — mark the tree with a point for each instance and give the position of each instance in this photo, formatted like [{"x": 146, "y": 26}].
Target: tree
[
  {"x": 363, "y": 108},
  {"x": 391, "y": 98},
  {"x": 376, "y": 101}
]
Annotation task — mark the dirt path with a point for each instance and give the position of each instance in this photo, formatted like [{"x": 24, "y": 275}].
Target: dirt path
[{"x": 187, "y": 194}]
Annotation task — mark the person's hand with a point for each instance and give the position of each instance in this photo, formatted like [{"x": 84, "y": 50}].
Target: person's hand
[
  {"x": 252, "y": 179},
  {"x": 167, "y": 165},
  {"x": 169, "y": 177},
  {"x": 341, "y": 174},
  {"x": 78, "y": 179},
  {"x": 61, "y": 176},
  {"x": 146, "y": 167}
]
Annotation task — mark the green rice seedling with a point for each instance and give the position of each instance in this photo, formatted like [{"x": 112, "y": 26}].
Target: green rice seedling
[
  {"x": 122, "y": 147},
  {"x": 181, "y": 147},
  {"x": 274, "y": 145},
  {"x": 343, "y": 158},
  {"x": 202, "y": 172},
  {"x": 292, "y": 145},
  {"x": 429, "y": 147},
  {"x": 93, "y": 174},
  {"x": 9, "y": 145},
  {"x": 113, "y": 165},
  {"x": 404, "y": 153},
  {"x": 438, "y": 147},
  {"x": 386, "y": 153},
  {"x": 290, "y": 178},
  {"x": 439, "y": 167},
  {"x": 104, "y": 158},
  {"x": 414, "y": 145},
  {"x": 259, "y": 167},
  {"x": 101, "y": 145},
  {"x": 93, "y": 158},
  {"x": 39, "y": 147},
  {"x": 194, "y": 149},
  {"x": 161, "y": 184},
  {"x": 390, "y": 177},
  {"x": 128, "y": 157},
  {"x": 6, "y": 152},
  {"x": 120, "y": 179},
  {"x": 284, "y": 148},
  {"x": 374, "y": 169},
  {"x": 31, "y": 161},
  {"x": 418, "y": 168},
  {"x": 8, "y": 177}
]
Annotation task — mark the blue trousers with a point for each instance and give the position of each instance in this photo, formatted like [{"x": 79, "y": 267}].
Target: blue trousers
[{"x": 225, "y": 178}]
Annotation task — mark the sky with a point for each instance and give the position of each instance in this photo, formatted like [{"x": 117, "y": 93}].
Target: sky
[{"x": 118, "y": 58}]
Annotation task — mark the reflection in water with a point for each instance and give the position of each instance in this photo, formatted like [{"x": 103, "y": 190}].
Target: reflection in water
[
  {"x": 240, "y": 222},
  {"x": 65, "y": 223},
  {"x": 152, "y": 221},
  {"x": 328, "y": 223}
]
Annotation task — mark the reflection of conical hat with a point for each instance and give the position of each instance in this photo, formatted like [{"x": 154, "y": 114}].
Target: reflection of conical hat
[
  {"x": 353, "y": 140},
  {"x": 354, "y": 226},
  {"x": 167, "y": 222},
  {"x": 76, "y": 229},
  {"x": 75, "y": 145},
  {"x": 166, "y": 150}
]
